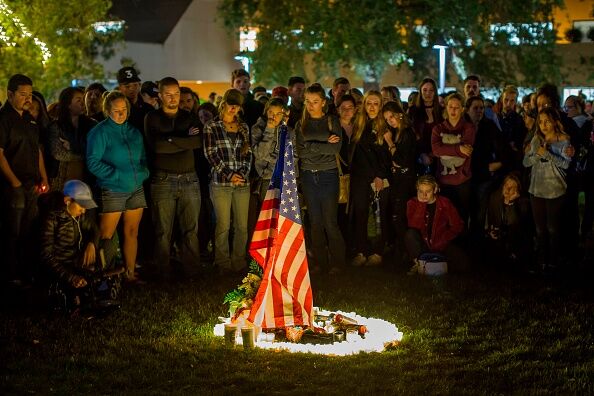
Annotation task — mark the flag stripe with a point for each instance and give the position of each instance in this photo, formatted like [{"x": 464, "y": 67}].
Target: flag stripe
[{"x": 284, "y": 297}]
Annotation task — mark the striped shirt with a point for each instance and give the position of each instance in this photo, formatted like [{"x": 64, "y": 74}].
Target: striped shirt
[{"x": 224, "y": 153}]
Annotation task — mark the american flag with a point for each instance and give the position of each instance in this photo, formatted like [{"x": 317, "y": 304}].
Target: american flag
[{"x": 284, "y": 297}]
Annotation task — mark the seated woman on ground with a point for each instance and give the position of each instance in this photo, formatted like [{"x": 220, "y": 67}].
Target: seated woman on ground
[
  {"x": 433, "y": 224},
  {"x": 509, "y": 224}
]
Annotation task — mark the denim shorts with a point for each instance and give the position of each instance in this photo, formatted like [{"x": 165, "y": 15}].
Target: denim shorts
[{"x": 112, "y": 201}]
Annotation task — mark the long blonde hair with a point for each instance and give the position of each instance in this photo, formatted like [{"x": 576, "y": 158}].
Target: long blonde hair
[{"x": 378, "y": 123}]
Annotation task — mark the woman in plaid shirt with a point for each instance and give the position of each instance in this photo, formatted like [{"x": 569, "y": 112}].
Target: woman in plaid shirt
[{"x": 227, "y": 148}]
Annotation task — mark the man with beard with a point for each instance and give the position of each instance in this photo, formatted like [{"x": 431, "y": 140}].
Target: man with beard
[
  {"x": 171, "y": 135},
  {"x": 24, "y": 176},
  {"x": 512, "y": 126}
]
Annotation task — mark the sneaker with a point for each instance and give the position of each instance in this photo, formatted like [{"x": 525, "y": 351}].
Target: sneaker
[
  {"x": 359, "y": 260},
  {"x": 415, "y": 268},
  {"x": 374, "y": 260}
]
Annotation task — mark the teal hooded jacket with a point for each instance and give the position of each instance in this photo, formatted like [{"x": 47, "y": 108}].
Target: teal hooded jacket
[{"x": 116, "y": 156}]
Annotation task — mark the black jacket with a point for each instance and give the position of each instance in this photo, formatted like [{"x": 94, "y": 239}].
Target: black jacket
[
  {"x": 170, "y": 144},
  {"x": 368, "y": 159},
  {"x": 63, "y": 242},
  {"x": 489, "y": 146}
]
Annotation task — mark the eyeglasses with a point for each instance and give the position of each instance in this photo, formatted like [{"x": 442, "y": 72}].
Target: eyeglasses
[{"x": 274, "y": 115}]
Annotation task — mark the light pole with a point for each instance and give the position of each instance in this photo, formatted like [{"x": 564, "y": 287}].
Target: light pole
[{"x": 442, "y": 67}]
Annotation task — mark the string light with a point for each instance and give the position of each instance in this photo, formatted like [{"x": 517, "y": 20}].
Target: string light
[{"x": 8, "y": 13}]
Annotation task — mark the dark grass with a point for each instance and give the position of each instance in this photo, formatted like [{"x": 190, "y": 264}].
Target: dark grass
[{"x": 481, "y": 333}]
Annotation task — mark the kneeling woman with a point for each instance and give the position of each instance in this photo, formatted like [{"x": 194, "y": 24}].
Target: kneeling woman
[{"x": 433, "y": 223}]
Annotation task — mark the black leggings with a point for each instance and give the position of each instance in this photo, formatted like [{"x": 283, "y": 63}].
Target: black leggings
[
  {"x": 547, "y": 214},
  {"x": 359, "y": 205}
]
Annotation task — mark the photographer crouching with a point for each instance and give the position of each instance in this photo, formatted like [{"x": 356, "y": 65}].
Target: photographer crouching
[{"x": 69, "y": 240}]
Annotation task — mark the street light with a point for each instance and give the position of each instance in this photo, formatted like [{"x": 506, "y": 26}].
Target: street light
[{"x": 441, "y": 46}]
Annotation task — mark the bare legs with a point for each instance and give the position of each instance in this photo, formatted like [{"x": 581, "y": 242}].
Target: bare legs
[{"x": 107, "y": 227}]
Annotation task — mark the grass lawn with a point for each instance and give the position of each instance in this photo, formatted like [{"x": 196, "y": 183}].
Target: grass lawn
[{"x": 482, "y": 333}]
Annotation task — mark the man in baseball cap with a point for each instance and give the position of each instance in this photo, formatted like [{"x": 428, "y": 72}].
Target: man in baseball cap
[
  {"x": 150, "y": 93},
  {"x": 127, "y": 75},
  {"x": 80, "y": 193},
  {"x": 69, "y": 238},
  {"x": 129, "y": 85}
]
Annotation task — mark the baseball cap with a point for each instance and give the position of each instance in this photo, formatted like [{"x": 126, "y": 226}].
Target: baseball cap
[
  {"x": 150, "y": 88},
  {"x": 127, "y": 75},
  {"x": 233, "y": 97},
  {"x": 80, "y": 192}
]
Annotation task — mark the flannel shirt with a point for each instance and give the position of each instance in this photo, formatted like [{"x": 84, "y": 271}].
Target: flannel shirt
[{"x": 224, "y": 155}]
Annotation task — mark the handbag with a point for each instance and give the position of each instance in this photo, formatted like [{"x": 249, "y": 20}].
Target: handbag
[{"x": 344, "y": 183}]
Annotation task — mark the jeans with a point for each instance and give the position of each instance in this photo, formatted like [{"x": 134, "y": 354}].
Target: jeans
[
  {"x": 176, "y": 199},
  {"x": 320, "y": 190},
  {"x": 547, "y": 214},
  {"x": 20, "y": 212},
  {"x": 227, "y": 200}
]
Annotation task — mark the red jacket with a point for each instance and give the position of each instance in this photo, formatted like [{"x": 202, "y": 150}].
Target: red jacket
[{"x": 447, "y": 223}]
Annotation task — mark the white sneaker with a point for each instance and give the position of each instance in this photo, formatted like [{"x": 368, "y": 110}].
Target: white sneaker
[
  {"x": 359, "y": 260},
  {"x": 374, "y": 260},
  {"x": 415, "y": 268}
]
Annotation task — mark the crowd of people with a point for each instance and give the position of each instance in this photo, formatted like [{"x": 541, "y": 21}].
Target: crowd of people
[{"x": 180, "y": 182}]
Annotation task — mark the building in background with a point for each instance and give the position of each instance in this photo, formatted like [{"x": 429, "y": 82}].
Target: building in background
[
  {"x": 184, "y": 39},
  {"x": 178, "y": 38}
]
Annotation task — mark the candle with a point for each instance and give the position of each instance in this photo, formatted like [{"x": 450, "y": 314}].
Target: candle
[
  {"x": 338, "y": 336},
  {"x": 230, "y": 333},
  {"x": 247, "y": 335}
]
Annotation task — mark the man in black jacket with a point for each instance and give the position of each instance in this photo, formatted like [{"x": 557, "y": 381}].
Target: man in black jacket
[
  {"x": 512, "y": 125},
  {"x": 69, "y": 238},
  {"x": 171, "y": 135}
]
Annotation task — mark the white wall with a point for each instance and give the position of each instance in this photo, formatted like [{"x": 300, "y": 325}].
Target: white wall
[{"x": 198, "y": 48}]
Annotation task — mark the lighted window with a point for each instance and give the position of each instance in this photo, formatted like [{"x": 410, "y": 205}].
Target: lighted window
[
  {"x": 587, "y": 91},
  {"x": 523, "y": 33},
  {"x": 108, "y": 26},
  {"x": 247, "y": 39}
]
